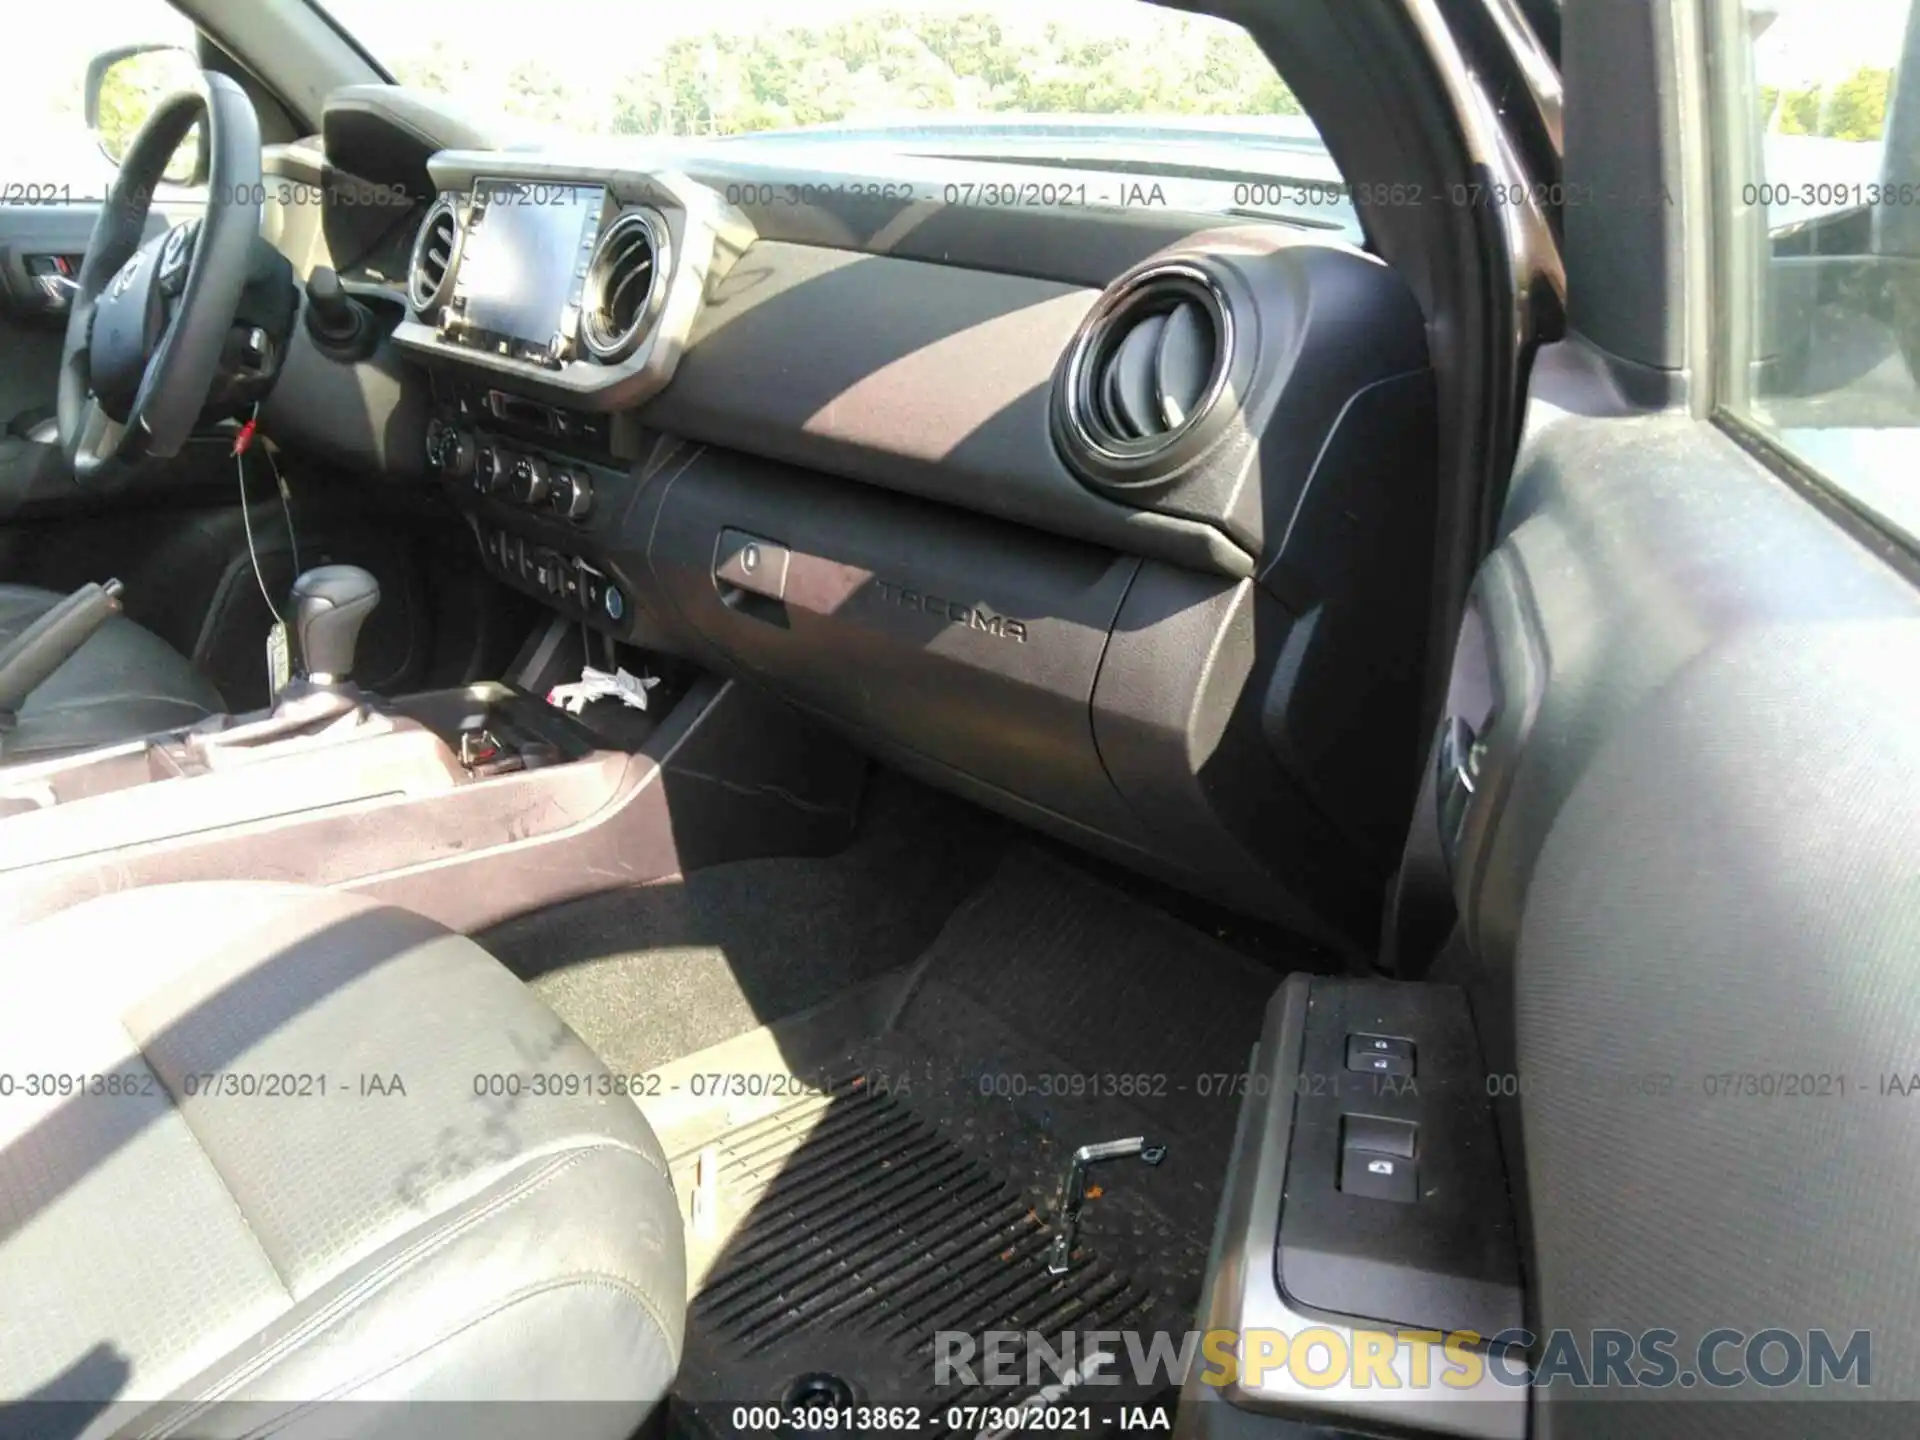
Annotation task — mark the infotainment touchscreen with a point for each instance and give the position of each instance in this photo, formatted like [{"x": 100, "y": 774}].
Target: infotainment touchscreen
[{"x": 523, "y": 262}]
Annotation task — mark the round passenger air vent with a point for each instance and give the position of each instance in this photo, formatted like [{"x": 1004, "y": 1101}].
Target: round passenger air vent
[
  {"x": 625, "y": 283},
  {"x": 1145, "y": 374},
  {"x": 434, "y": 249}
]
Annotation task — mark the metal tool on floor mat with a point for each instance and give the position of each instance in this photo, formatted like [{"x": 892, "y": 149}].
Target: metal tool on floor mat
[{"x": 1074, "y": 1192}]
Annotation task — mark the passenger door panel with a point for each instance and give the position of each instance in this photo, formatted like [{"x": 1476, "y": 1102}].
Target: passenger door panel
[{"x": 1690, "y": 879}]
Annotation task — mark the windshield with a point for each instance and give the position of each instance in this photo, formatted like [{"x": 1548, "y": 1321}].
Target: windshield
[{"x": 1010, "y": 77}]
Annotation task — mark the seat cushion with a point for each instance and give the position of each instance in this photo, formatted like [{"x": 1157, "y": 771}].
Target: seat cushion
[
  {"x": 123, "y": 683},
  {"x": 263, "y": 1146}
]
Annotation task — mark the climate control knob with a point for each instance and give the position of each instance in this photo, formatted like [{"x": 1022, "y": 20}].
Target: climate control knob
[
  {"x": 453, "y": 453},
  {"x": 571, "y": 494},
  {"x": 489, "y": 468},
  {"x": 530, "y": 483}
]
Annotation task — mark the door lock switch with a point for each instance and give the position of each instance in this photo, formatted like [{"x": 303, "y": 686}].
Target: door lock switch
[{"x": 1380, "y": 1055}]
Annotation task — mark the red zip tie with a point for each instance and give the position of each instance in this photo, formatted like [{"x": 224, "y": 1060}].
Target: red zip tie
[{"x": 244, "y": 438}]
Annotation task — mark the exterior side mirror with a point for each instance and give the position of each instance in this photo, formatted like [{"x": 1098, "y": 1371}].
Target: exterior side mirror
[{"x": 124, "y": 84}]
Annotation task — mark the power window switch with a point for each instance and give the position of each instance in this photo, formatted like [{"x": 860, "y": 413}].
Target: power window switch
[
  {"x": 1378, "y": 1176},
  {"x": 1379, "y": 1133},
  {"x": 1380, "y": 1055}
]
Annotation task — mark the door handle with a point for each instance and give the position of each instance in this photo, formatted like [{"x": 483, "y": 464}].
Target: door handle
[
  {"x": 51, "y": 281},
  {"x": 1460, "y": 756}
]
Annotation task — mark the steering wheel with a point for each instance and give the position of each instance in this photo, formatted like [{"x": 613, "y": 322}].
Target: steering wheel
[{"x": 148, "y": 321}]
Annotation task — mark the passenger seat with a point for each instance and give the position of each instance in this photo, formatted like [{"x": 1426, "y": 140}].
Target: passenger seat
[{"x": 264, "y": 1147}]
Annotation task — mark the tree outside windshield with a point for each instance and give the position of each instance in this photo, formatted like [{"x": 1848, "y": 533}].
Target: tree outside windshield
[{"x": 614, "y": 67}]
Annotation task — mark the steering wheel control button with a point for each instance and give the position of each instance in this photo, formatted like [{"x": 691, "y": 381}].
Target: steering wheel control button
[
  {"x": 176, "y": 257},
  {"x": 746, "y": 562},
  {"x": 1380, "y": 1055},
  {"x": 1376, "y": 1176}
]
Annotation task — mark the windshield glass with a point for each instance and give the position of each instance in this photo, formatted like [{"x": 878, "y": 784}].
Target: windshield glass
[{"x": 1013, "y": 78}]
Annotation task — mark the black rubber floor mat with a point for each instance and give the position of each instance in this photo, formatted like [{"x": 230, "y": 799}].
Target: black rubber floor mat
[
  {"x": 648, "y": 974},
  {"x": 866, "y": 1239},
  {"x": 846, "y": 1230}
]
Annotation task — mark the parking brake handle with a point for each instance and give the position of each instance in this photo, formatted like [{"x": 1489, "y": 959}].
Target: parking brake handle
[{"x": 44, "y": 646}]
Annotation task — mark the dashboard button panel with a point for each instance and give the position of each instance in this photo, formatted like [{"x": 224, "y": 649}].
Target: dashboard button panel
[
  {"x": 565, "y": 581},
  {"x": 530, "y": 504}
]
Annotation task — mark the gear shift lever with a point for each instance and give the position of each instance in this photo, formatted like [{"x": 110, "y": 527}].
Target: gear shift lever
[{"x": 330, "y": 605}]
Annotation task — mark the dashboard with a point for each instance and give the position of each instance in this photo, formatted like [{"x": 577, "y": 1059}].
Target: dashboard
[{"x": 1116, "y": 518}]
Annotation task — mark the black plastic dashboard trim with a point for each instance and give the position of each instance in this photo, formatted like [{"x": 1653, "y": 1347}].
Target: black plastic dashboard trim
[{"x": 925, "y": 379}]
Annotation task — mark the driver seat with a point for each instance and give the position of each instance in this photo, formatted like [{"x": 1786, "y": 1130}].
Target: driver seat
[{"x": 124, "y": 682}]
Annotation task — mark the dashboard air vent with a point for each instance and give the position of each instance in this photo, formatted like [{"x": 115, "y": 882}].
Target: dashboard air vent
[
  {"x": 1151, "y": 380},
  {"x": 624, "y": 285},
  {"x": 433, "y": 255},
  {"x": 1148, "y": 367}
]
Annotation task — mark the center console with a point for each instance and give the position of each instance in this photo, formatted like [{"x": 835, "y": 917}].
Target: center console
[
  {"x": 538, "y": 483},
  {"x": 469, "y": 805},
  {"x": 271, "y": 790},
  {"x": 546, "y": 304}
]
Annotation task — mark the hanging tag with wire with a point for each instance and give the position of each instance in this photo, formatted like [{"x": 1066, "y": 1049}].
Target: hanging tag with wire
[
  {"x": 279, "y": 649},
  {"x": 279, "y": 659}
]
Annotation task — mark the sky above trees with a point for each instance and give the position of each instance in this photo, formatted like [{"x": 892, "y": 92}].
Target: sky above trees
[{"x": 809, "y": 65}]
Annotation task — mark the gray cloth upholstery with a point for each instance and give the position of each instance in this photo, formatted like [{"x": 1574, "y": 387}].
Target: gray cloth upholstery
[
  {"x": 124, "y": 682},
  {"x": 278, "y": 1177}
]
